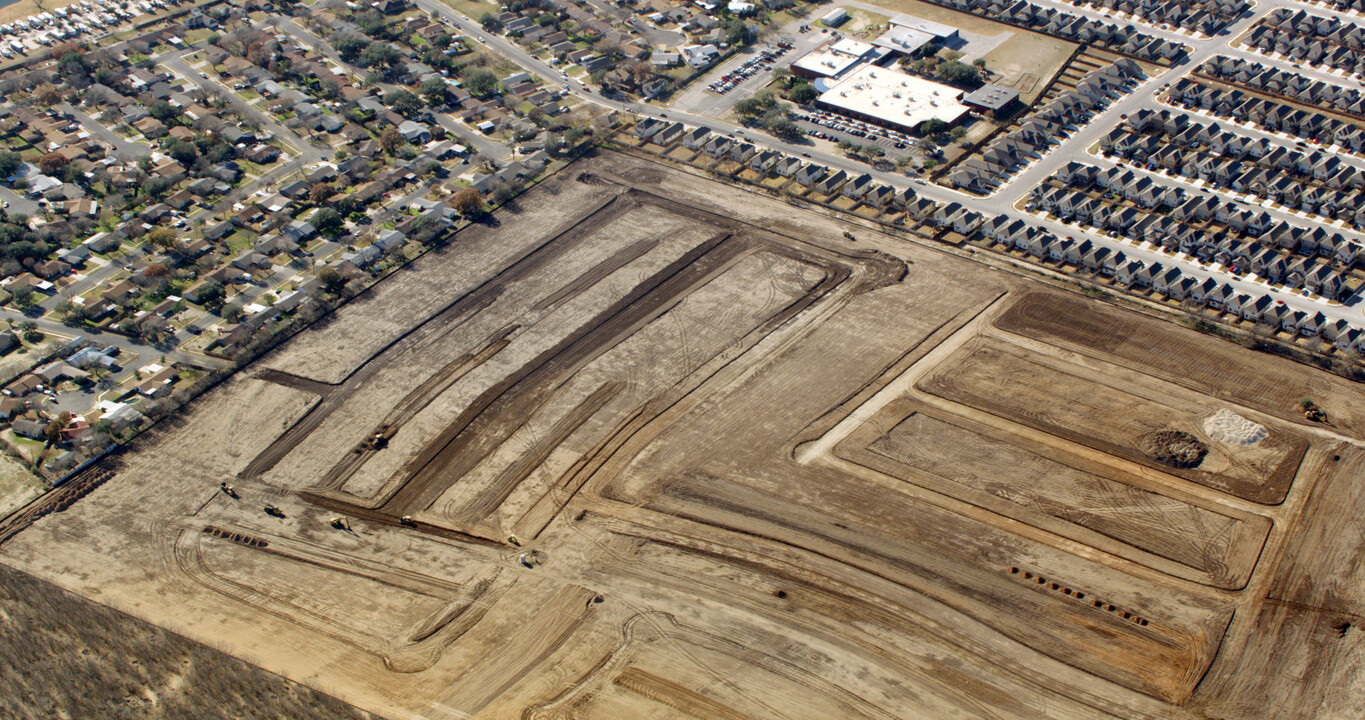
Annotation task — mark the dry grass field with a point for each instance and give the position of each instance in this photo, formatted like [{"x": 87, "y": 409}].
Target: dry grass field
[
  {"x": 651, "y": 446},
  {"x": 67, "y": 657},
  {"x": 18, "y": 486}
]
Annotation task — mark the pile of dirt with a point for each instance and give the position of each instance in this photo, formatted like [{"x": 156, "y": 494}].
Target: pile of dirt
[
  {"x": 1174, "y": 447},
  {"x": 1228, "y": 427}
]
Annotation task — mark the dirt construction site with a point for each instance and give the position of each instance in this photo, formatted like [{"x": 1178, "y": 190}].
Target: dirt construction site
[{"x": 650, "y": 446}]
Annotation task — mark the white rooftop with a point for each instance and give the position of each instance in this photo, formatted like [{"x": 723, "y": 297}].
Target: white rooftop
[
  {"x": 903, "y": 39},
  {"x": 849, "y": 46},
  {"x": 938, "y": 30},
  {"x": 895, "y": 97},
  {"x": 834, "y": 59}
]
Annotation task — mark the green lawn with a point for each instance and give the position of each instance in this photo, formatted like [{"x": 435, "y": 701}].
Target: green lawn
[
  {"x": 238, "y": 242},
  {"x": 472, "y": 8}
]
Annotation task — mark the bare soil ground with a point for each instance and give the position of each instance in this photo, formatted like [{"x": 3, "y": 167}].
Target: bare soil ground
[
  {"x": 1095, "y": 410},
  {"x": 977, "y": 464},
  {"x": 650, "y": 446},
  {"x": 1271, "y": 385}
]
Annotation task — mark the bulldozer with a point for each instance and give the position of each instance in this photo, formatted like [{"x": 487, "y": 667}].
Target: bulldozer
[
  {"x": 1311, "y": 411},
  {"x": 274, "y": 511},
  {"x": 228, "y": 490},
  {"x": 407, "y": 520}
]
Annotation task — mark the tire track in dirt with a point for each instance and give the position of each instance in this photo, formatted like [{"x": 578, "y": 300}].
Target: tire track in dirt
[
  {"x": 414, "y": 402},
  {"x": 443, "y": 322},
  {"x": 503, "y": 408},
  {"x": 491, "y": 497}
]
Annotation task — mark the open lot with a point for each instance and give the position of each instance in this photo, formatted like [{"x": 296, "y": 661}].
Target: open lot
[
  {"x": 1027, "y": 61},
  {"x": 17, "y": 485},
  {"x": 1064, "y": 400},
  {"x": 646, "y": 445}
]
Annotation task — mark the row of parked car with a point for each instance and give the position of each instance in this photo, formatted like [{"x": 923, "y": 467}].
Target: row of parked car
[
  {"x": 849, "y": 126},
  {"x": 751, "y": 67}
]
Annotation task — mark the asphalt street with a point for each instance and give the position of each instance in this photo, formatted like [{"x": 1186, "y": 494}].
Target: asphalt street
[
  {"x": 481, "y": 143},
  {"x": 305, "y": 150},
  {"x": 124, "y": 149}
]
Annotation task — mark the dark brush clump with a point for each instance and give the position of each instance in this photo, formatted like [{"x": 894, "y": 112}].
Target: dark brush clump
[{"x": 69, "y": 657}]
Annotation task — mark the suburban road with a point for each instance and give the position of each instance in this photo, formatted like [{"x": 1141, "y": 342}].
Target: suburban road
[
  {"x": 305, "y": 150},
  {"x": 483, "y": 144},
  {"x": 124, "y": 149}
]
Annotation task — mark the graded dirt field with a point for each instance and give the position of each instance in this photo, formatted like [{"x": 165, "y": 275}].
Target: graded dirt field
[{"x": 646, "y": 445}]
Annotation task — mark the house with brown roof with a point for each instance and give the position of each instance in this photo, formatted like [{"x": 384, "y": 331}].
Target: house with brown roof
[
  {"x": 150, "y": 127},
  {"x": 159, "y": 385},
  {"x": 122, "y": 293}
]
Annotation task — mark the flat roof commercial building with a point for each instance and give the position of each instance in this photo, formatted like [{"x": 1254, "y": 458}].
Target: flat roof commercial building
[
  {"x": 832, "y": 59},
  {"x": 938, "y": 30},
  {"x": 893, "y": 99},
  {"x": 992, "y": 100},
  {"x": 903, "y": 40}
]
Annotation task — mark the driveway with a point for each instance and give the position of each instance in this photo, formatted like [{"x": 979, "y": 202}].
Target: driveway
[
  {"x": 485, "y": 145},
  {"x": 309, "y": 152},
  {"x": 124, "y": 149}
]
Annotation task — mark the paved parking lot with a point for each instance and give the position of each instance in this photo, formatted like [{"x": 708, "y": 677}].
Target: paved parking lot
[
  {"x": 757, "y": 66},
  {"x": 697, "y": 98},
  {"x": 833, "y": 127}
]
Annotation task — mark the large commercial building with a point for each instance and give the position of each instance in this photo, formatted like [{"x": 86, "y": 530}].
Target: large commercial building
[
  {"x": 893, "y": 99},
  {"x": 833, "y": 59},
  {"x": 938, "y": 31},
  {"x": 903, "y": 40}
]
